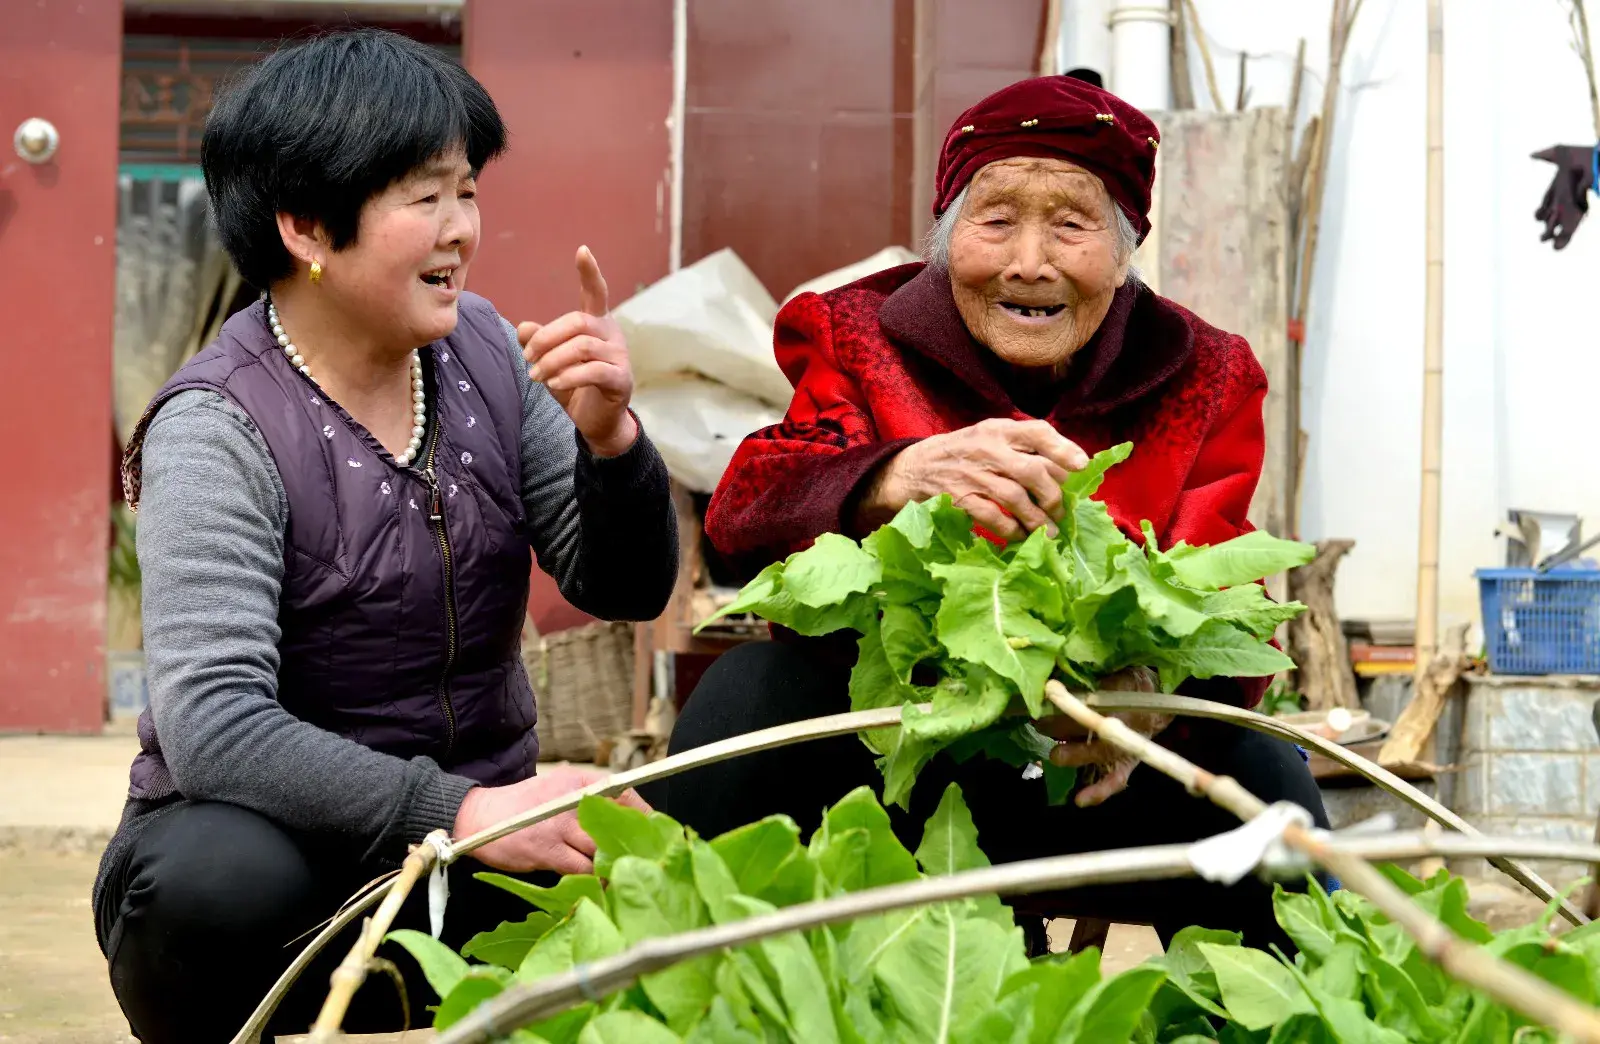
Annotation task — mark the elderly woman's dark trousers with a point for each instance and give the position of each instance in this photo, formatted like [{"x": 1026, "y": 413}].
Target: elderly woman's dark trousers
[
  {"x": 763, "y": 684},
  {"x": 208, "y": 909}
]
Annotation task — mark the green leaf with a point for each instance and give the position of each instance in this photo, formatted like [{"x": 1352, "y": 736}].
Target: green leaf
[
  {"x": 1343, "y": 969},
  {"x": 1034, "y": 575},
  {"x": 441, "y": 966},
  {"x": 1188, "y": 969},
  {"x": 905, "y": 760},
  {"x": 828, "y": 572},
  {"x": 856, "y": 847},
  {"x": 509, "y": 943},
  {"x": 558, "y": 899},
  {"x": 960, "y": 705},
  {"x": 1090, "y": 539},
  {"x": 1302, "y": 1029},
  {"x": 1257, "y": 991},
  {"x": 1086, "y": 483},
  {"x": 1220, "y": 650},
  {"x": 1398, "y": 1005},
  {"x": 873, "y": 684},
  {"x": 1242, "y": 560},
  {"x": 768, "y": 862},
  {"x": 1058, "y": 986},
  {"x": 477, "y": 986},
  {"x": 619, "y": 831},
  {"x": 1302, "y": 919},
  {"x": 950, "y": 838},
  {"x": 564, "y": 1028},
  {"x": 905, "y": 579},
  {"x": 649, "y": 902},
  {"x": 1110, "y": 1012},
  {"x": 714, "y": 882},
  {"x": 586, "y": 935},
  {"x": 804, "y": 992},
  {"x": 1059, "y": 781},
  {"x": 721, "y": 1026},
  {"x": 945, "y": 972},
  {"x": 984, "y": 619},
  {"x": 907, "y": 639},
  {"x": 626, "y": 1027},
  {"x": 1248, "y": 608}
]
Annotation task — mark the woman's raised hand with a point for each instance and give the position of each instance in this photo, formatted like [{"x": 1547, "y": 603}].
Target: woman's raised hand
[
  {"x": 1006, "y": 474},
  {"x": 558, "y": 844},
  {"x": 582, "y": 358}
]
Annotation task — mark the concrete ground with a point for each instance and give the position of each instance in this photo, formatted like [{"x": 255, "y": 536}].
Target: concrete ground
[{"x": 60, "y": 798}]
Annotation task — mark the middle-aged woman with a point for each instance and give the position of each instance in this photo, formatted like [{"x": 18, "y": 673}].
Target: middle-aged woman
[
  {"x": 338, "y": 500},
  {"x": 1024, "y": 343}
]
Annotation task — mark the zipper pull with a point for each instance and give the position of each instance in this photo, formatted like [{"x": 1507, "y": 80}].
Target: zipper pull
[{"x": 435, "y": 501}]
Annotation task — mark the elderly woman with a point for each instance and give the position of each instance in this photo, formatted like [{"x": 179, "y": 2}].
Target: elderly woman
[
  {"x": 1024, "y": 343},
  {"x": 338, "y": 502}
]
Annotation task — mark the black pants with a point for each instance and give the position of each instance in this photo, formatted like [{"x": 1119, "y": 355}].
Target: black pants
[
  {"x": 763, "y": 684},
  {"x": 208, "y": 908}
]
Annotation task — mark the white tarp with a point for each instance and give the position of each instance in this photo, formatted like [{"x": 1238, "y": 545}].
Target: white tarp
[{"x": 701, "y": 345}]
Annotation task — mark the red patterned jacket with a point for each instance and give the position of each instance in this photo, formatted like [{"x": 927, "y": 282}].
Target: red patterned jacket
[{"x": 887, "y": 360}]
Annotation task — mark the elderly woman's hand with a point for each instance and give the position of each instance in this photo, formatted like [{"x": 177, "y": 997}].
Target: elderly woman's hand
[
  {"x": 1104, "y": 769},
  {"x": 1006, "y": 474},
  {"x": 582, "y": 358}
]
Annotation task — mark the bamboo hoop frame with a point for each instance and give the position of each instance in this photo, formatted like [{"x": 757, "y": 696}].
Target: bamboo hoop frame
[
  {"x": 722, "y": 750},
  {"x": 1345, "y": 856},
  {"x": 795, "y": 732},
  {"x": 1467, "y": 962},
  {"x": 550, "y": 996}
]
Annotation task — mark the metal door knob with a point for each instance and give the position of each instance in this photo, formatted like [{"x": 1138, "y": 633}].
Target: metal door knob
[{"x": 36, "y": 140}]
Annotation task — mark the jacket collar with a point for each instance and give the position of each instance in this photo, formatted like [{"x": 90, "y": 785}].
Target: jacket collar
[{"x": 1142, "y": 342}]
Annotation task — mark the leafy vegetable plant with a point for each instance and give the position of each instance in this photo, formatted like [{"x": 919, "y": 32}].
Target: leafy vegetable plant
[
  {"x": 947, "y": 618},
  {"x": 956, "y": 973}
]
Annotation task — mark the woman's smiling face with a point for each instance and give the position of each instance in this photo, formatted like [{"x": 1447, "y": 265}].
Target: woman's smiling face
[{"x": 1034, "y": 259}]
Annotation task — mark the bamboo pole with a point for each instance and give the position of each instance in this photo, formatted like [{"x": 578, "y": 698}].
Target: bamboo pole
[
  {"x": 1427, "y": 638},
  {"x": 1586, "y": 53},
  {"x": 1182, "y": 78},
  {"x": 1049, "y": 63},
  {"x": 531, "y": 1002},
  {"x": 1187, "y": 706},
  {"x": 711, "y": 753},
  {"x": 1311, "y": 226},
  {"x": 1465, "y": 961},
  {"x": 840, "y": 724},
  {"x": 1199, "y": 32},
  {"x": 352, "y": 971}
]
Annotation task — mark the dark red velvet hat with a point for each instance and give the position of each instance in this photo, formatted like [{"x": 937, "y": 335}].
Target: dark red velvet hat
[{"x": 1057, "y": 117}]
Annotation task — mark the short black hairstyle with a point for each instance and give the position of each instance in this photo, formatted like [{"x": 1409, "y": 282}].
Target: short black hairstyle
[{"x": 321, "y": 126}]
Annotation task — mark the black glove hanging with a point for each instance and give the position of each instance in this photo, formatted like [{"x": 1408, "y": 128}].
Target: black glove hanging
[{"x": 1566, "y": 201}]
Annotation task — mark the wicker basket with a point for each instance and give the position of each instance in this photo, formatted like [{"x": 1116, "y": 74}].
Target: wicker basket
[{"x": 584, "y": 681}]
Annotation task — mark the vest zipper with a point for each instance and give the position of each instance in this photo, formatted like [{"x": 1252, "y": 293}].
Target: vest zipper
[{"x": 436, "y": 516}]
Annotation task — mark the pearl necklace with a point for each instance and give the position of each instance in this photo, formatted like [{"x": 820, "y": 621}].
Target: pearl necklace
[{"x": 419, "y": 398}]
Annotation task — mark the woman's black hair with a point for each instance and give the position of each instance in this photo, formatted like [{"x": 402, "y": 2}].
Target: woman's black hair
[{"x": 318, "y": 128}]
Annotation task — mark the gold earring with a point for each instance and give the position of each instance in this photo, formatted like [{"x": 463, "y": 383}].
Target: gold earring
[{"x": 316, "y": 272}]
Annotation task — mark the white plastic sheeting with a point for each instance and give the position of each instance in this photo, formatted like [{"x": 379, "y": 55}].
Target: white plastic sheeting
[{"x": 701, "y": 343}]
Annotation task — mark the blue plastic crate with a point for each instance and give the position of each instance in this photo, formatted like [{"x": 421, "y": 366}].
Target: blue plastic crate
[{"x": 1541, "y": 623}]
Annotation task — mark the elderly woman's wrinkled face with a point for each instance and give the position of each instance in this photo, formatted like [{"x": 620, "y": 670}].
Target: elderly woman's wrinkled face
[{"x": 1034, "y": 259}]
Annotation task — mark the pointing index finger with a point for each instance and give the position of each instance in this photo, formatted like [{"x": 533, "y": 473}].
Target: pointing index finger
[{"x": 591, "y": 284}]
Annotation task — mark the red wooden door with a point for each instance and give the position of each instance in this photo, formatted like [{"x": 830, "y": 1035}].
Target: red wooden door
[{"x": 60, "y": 61}]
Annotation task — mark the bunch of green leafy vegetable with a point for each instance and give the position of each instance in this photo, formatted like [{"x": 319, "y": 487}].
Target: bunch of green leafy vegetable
[
  {"x": 949, "y": 972},
  {"x": 957, "y": 973},
  {"x": 984, "y": 626},
  {"x": 1358, "y": 977}
]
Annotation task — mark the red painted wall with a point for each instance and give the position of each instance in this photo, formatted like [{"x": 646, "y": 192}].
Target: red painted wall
[
  {"x": 60, "y": 61},
  {"x": 585, "y": 87}
]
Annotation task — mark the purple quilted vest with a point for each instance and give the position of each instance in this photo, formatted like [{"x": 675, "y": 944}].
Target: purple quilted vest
[{"x": 403, "y": 595}]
